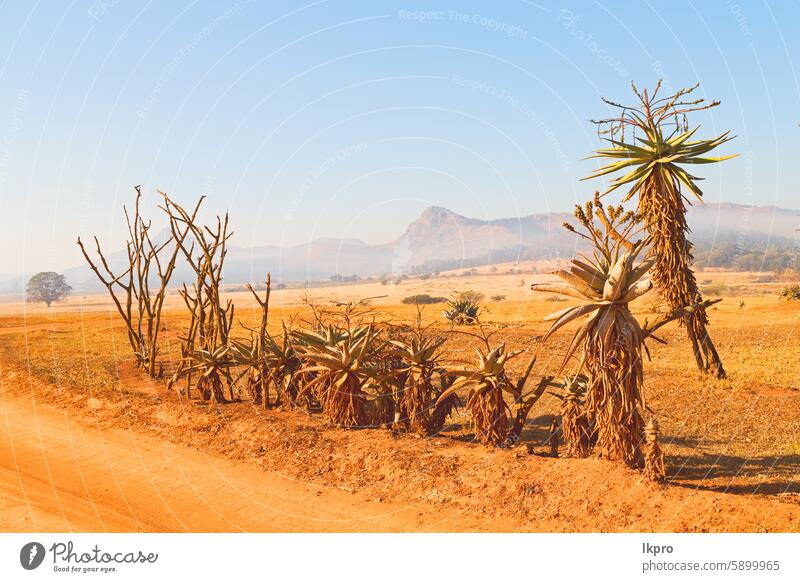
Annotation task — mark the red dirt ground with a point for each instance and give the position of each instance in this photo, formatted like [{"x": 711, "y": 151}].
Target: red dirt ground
[{"x": 142, "y": 460}]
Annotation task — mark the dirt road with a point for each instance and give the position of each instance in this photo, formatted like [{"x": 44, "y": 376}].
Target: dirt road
[
  {"x": 57, "y": 474},
  {"x": 138, "y": 461}
]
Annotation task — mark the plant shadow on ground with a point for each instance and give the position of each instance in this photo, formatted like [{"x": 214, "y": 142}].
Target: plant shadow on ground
[
  {"x": 537, "y": 430},
  {"x": 686, "y": 470},
  {"x": 535, "y": 433}
]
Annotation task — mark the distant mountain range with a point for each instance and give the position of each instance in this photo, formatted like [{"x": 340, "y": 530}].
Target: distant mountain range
[{"x": 441, "y": 239}]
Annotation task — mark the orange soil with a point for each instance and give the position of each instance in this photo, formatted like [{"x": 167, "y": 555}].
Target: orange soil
[
  {"x": 58, "y": 474},
  {"x": 139, "y": 461}
]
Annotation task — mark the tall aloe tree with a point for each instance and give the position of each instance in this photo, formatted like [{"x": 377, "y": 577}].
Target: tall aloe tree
[
  {"x": 651, "y": 142},
  {"x": 610, "y": 339},
  {"x": 610, "y": 336}
]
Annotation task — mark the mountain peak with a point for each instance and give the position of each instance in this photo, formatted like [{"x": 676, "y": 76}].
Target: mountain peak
[
  {"x": 434, "y": 215},
  {"x": 441, "y": 239}
]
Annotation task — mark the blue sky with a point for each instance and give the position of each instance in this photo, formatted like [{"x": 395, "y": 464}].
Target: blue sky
[{"x": 347, "y": 119}]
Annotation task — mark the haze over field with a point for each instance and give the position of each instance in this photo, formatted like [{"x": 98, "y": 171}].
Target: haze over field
[
  {"x": 347, "y": 119},
  {"x": 441, "y": 239}
]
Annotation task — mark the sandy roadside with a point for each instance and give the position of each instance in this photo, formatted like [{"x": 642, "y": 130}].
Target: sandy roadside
[{"x": 58, "y": 474}]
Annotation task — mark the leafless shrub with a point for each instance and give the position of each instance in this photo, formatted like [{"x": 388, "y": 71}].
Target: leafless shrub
[
  {"x": 211, "y": 318},
  {"x": 137, "y": 303}
]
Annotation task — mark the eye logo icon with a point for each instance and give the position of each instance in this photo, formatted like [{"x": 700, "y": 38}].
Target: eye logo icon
[{"x": 31, "y": 555}]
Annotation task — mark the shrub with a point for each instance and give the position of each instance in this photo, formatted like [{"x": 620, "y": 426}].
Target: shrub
[
  {"x": 339, "y": 360},
  {"x": 422, "y": 299},
  {"x": 791, "y": 292},
  {"x": 485, "y": 383},
  {"x": 716, "y": 289},
  {"x": 417, "y": 392},
  {"x": 475, "y": 296},
  {"x": 463, "y": 308}
]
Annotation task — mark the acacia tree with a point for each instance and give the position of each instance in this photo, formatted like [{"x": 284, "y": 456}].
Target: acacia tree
[
  {"x": 653, "y": 154},
  {"x": 47, "y": 287}
]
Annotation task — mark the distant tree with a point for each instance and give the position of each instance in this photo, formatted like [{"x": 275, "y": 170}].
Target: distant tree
[{"x": 47, "y": 287}]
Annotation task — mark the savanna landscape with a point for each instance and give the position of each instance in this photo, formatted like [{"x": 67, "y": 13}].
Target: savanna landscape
[
  {"x": 422, "y": 403},
  {"x": 72, "y": 394},
  {"x": 407, "y": 287}
]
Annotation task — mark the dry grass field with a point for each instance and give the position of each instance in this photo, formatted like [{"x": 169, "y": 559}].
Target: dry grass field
[{"x": 732, "y": 446}]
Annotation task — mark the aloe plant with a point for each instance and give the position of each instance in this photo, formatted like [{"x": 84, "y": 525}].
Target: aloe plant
[
  {"x": 462, "y": 308},
  {"x": 283, "y": 360},
  {"x": 485, "y": 385},
  {"x": 653, "y": 155},
  {"x": 419, "y": 357},
  {"x": 214, "y": 369},
  {"x": 341, "y": 374},
  {"x": 609, "y": 334}
]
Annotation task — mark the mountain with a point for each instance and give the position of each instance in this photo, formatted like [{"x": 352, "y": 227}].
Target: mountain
[
  {"x": 739, "y": 220},
  {"x": 441, "y": 239},
  {"x": 723, "y": 234},
  {"x": 440, "y": 234}
]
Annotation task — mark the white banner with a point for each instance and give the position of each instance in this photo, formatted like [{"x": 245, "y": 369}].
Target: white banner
[{"x": 400, "y": 557}]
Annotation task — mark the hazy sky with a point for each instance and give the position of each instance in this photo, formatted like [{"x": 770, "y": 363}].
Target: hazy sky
[{"x": 348, "y": 118}]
